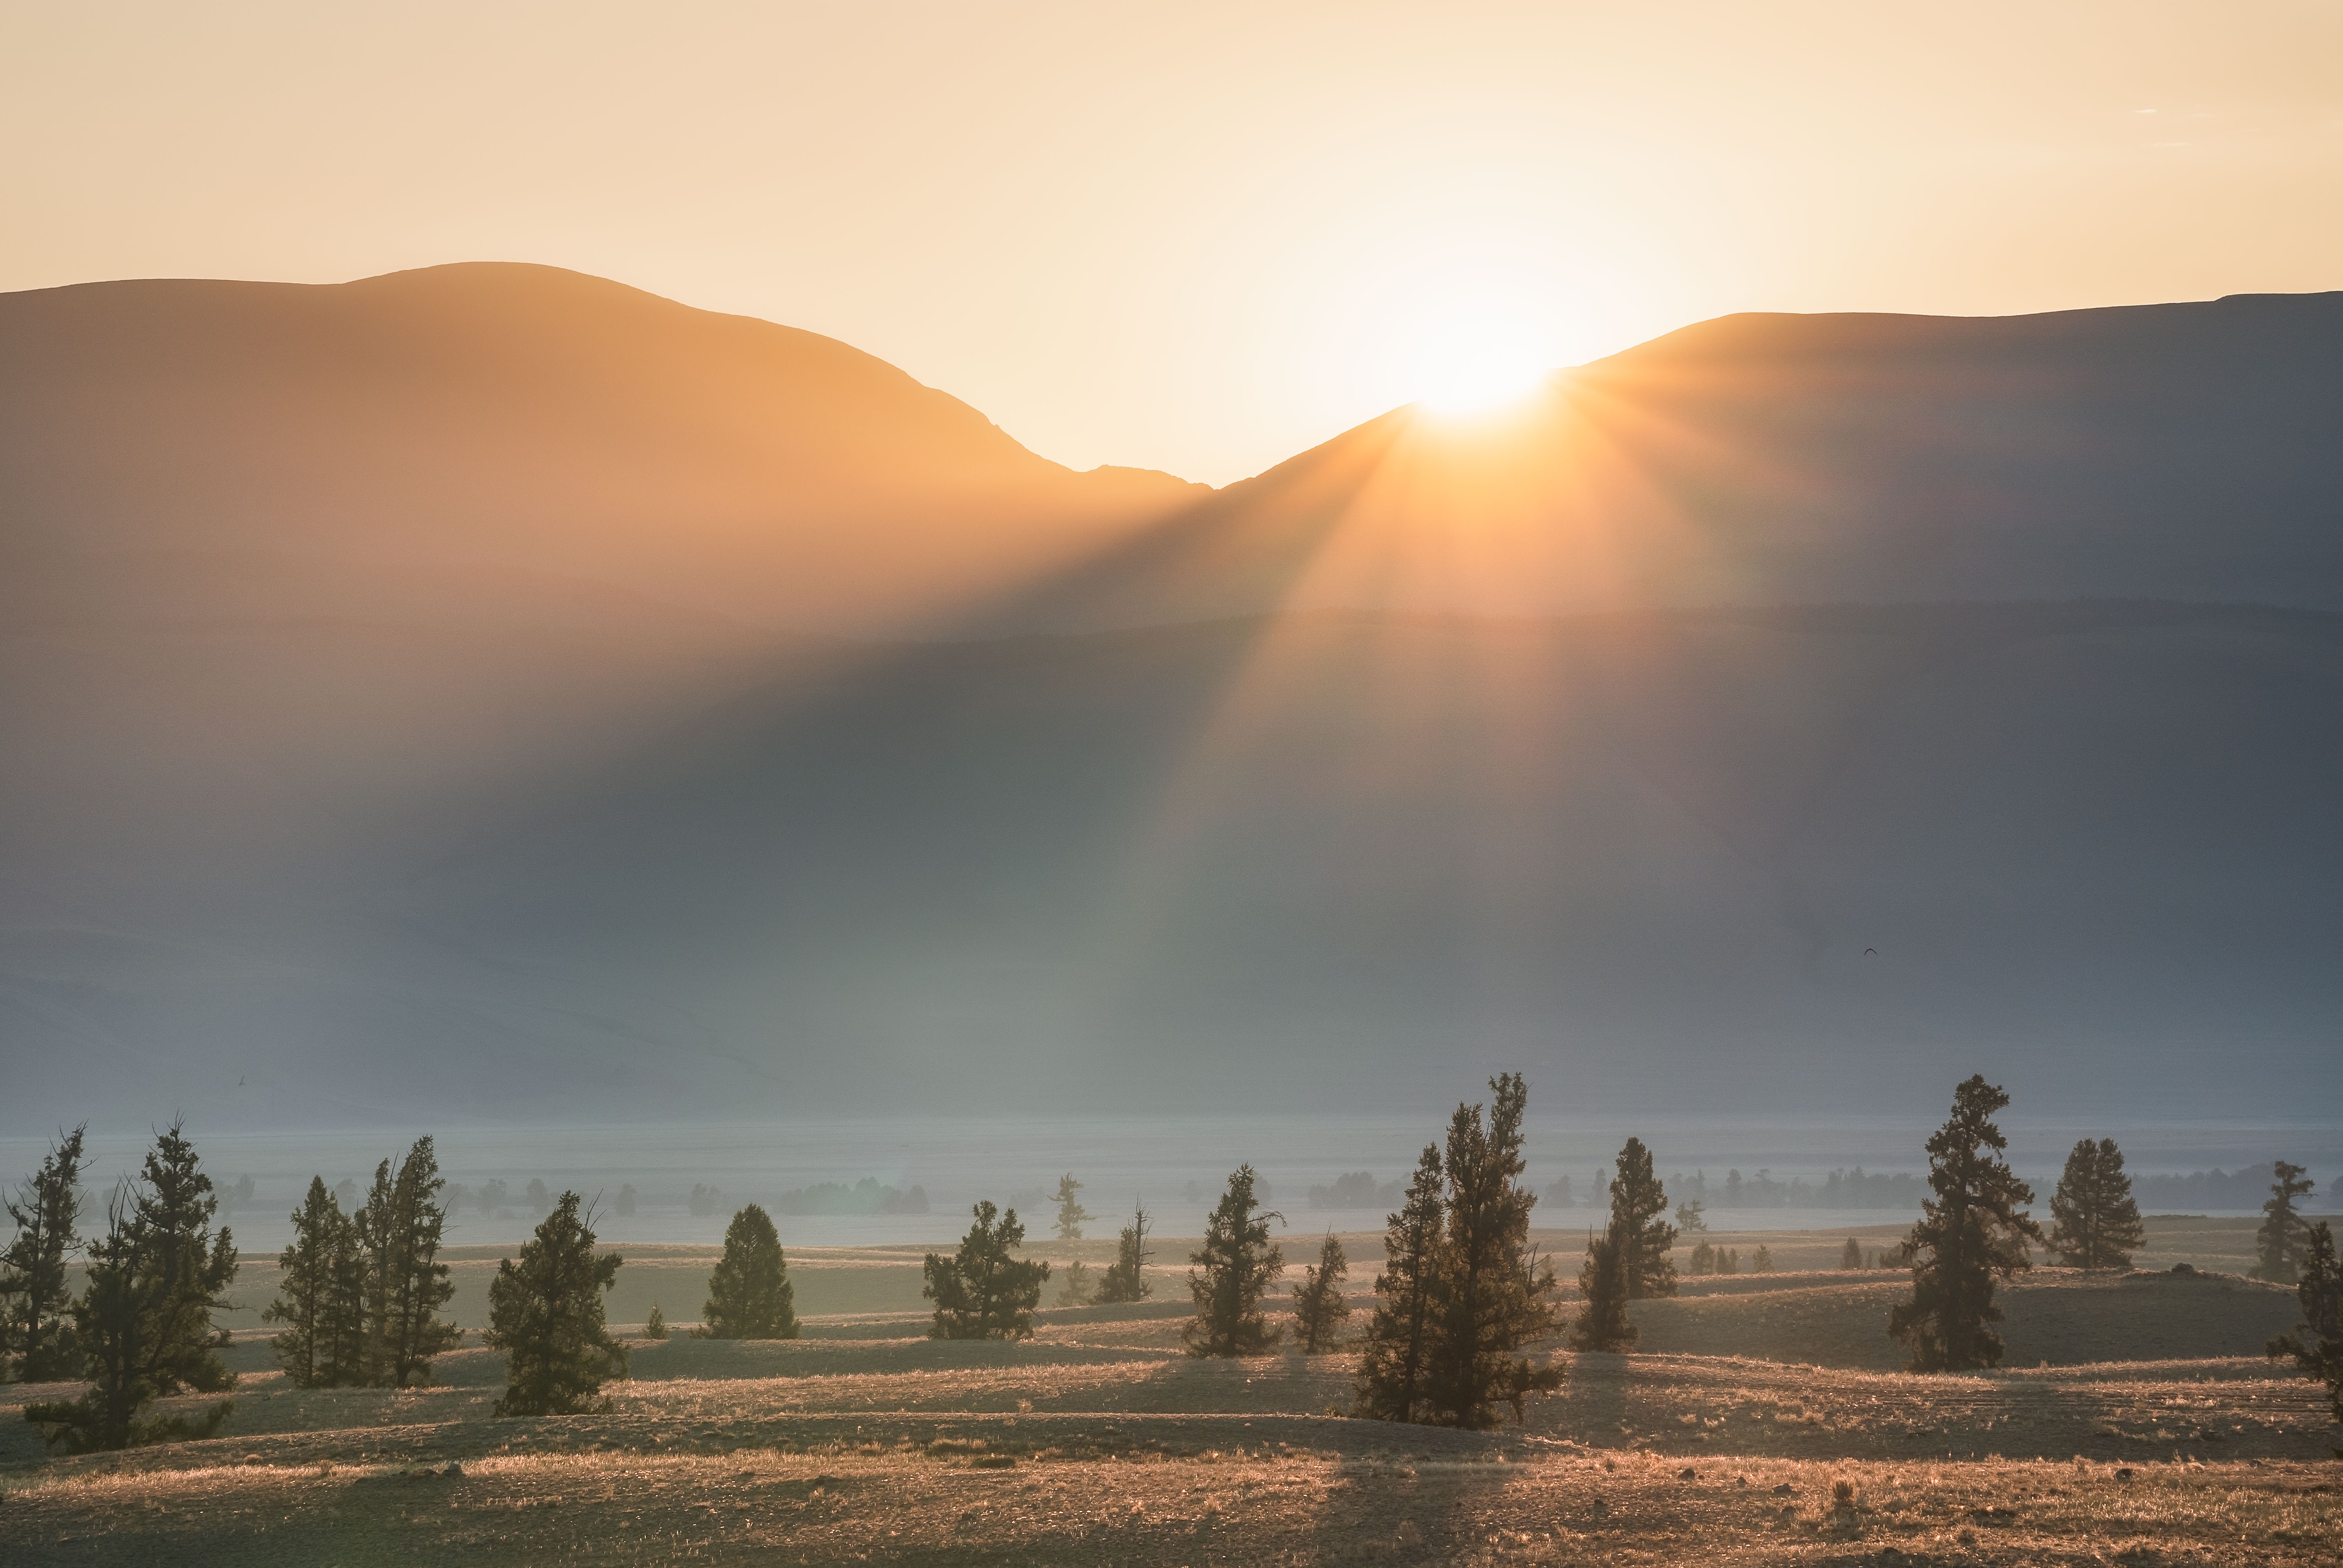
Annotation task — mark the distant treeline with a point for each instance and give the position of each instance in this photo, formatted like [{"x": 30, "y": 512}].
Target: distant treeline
[
  {"x": 1842, "y": 1189},
  {"x": 2214, "y": 1189},
  {"x": 865, "y": 1197}
]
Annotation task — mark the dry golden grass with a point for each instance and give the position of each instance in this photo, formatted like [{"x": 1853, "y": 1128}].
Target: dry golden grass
[{"x": 2143, "y": 1441}]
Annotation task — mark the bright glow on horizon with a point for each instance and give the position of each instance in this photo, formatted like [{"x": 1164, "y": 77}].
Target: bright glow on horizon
[
  {"x": 1125, "y": 241},
  {"x": 1475, "y": 362}
]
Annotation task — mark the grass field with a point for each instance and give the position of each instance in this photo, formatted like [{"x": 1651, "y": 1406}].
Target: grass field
[{"x": 2134, "y": 1423}]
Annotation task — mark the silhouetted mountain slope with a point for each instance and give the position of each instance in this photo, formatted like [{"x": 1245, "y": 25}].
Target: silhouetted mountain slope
[
  {"x": 400, "y": 691},
  {"x": 2093, "y": 847},
  {"x": 524, "y": 423},
  {"x": 2165, "y": 451}
]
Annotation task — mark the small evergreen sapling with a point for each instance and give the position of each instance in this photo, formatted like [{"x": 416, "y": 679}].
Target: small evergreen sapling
[
  {"x": 1319, "y": 1306},
  {"x": 655, "y": 1326},
  {"x": 1078, "y": 1288},
  {"x": 1233, "y": 1269},
  {"x": 749, "y": 1296},
  {"x": 1850, "y": 1256},
  {"x": 545, "y": 1313},
  {"x": 985, "y": 1291},
  {"x": 1761, "y": 1262},
  {"x": 2096, "y": 1220}
]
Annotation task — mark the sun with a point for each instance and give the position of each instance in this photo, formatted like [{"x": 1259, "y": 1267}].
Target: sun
[{"x": 1475, "y": 360}]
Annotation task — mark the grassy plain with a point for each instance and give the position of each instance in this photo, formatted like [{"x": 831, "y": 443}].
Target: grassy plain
[{"x": 2134, "y": 1423}]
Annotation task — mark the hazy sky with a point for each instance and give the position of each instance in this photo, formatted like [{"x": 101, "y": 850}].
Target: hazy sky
[{"x": 1196, "y": 237}]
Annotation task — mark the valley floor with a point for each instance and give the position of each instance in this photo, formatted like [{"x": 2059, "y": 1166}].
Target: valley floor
[{"x": 2137, "y": 1433}]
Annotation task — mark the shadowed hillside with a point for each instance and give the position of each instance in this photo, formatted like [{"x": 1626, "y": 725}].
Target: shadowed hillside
[
  {"x": 2165, "y": 451},
  {"x": 401, "y": 687}
]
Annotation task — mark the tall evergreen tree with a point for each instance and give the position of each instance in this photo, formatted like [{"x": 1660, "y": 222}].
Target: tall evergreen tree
[
  {"x": 2097, "y": 1221},
  {"x": 39, "y": 1332},
  {"x": 749, "y": 1296},
  {"x": 1850, "y": 1256},
  {"x": 984, "y": 1291},
  {"x": 1639, "y": 1205},
  {"x": 123, "y": 1319},
  {"x": 1394, "y": 1361},
  {"x": 1125, "y": 1279},
  {"x": 348, "y": 1348},
  {"x": 416, "y": 1284},
  {"x": 377, "y": 1246},
  {"x": 311, "y": 1272},
  {"x": 143, "y": 1319},
  {"x": 1603, "y": 1323},
  {"x": 1319, "y": 1305},
  {"x": 191, "y": 1266},
  {"x": 545, "y": 1313},
  {"x": 1972, "y": 1234},
  {"x": 1233, "y": 1269},
  {"x": 2278, "y": 1244},
  {"x": 1494, "y": 1299},
  {"x": 2317, "y": 1346},
  {"x": 1070, "y": 1213}
]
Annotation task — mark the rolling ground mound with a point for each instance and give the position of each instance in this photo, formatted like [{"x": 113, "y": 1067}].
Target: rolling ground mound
[{"x": 1099, "y": 1441}]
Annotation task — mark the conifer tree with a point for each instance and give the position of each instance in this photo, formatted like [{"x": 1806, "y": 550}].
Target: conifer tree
[
  {"x": 1233, "y": 1269},
  {"x": 1761, "y": 1262},
  {"x": 173, "y": 1204},
  {"x": 2316, "y": 1345},
  {"x": 2097, "y": 1221},
  {"x": 1638, "y": 1206},
  {"x": 1070, "y": 1213},
  {"x": 39, "y": 1330},
  {"x": 376, "y": 1240},
  {"x": 749, "y": 1296},
  {"x": 655, "y": 1326},
  {"x": 984, "y": 1291},
  {"x": 124, "y": 1320},
  {"x": 311, "y": 1273},
  {"x": 1851, "y": 1255},
  {"x": 143, "y": 1319},
  {"x": 1972, "y": 1234},
  {"x": 1602, "y": 1323},
  {"x": 1319, "y": 1305},
  {"x": 1395, "y": 1358},
  {"x": 348, "y": 1350},
  {"x": 416, "y": 1284},
  {"x": 545, "y": 1313},
  {"x": 1078, "y": 1288},
  {"x": 1125, "y": 1280},
  {"x": 2278, "y": 1244},
  {"x": 1494, "y": 1299}
]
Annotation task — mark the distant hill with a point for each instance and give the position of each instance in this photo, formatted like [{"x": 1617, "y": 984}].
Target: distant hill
[
  {"x": 2165, "y": 451},
  {"x": 467, "y": 679}
]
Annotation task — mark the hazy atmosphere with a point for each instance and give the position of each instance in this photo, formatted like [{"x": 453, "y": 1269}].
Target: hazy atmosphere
[{"x": 1568, "y": 773}]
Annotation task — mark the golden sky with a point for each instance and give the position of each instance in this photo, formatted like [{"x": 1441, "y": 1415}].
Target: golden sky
[{"x": 1197, "y": 238}]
